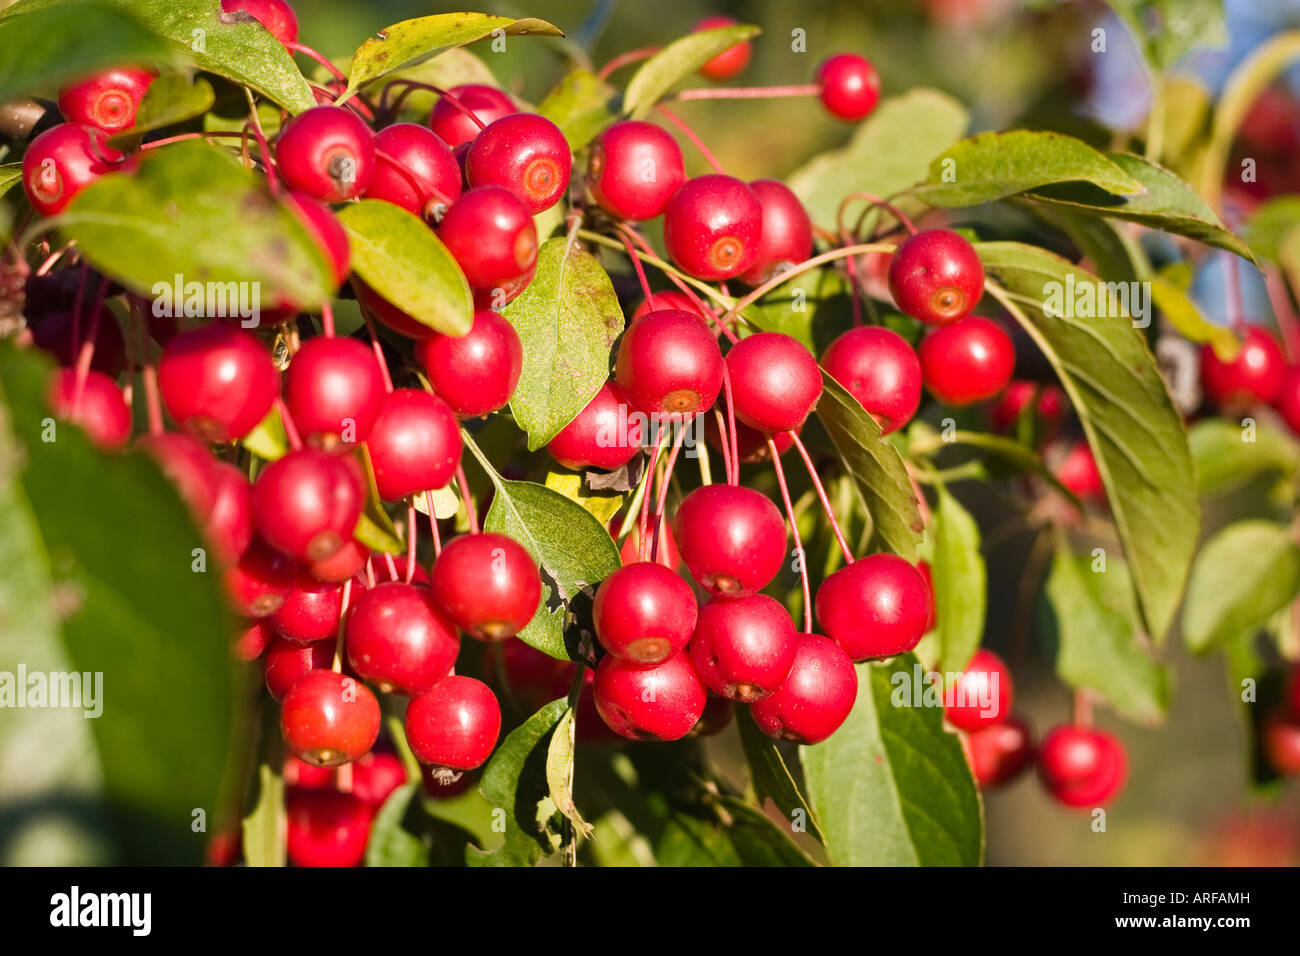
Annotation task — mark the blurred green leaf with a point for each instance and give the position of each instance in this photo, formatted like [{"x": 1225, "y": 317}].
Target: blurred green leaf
[
  {"x": 405, "y": 834},
  {"x": 582, "y": 105},
  {"x": 454, "y": 67},
  {"x": 771, "y": 777},
  {"x": 1227, "y": 454},
  {"x": 1167, "y": 30},
  {"x": 559, "y": 770},
  {"x": 659, "y": 74},
  {"x": 268, "y": 438},
  {"x": 1272, "y": 225},
  {"x": 960, "y": 583},
  {"x": 265, "y": 828},
  {"x": 11, "y": 175}
]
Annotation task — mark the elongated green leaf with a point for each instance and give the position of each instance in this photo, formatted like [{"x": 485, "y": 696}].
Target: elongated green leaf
[
  {"x": 568, "y": 319},
  {"x": 877, "y": 469},
  {"x": 659, "y": 74},
  {"x": 758, "y": 840},
  {"x": 171, "y": 98},
  {"x": 559, "y": 770},
  {"x": 582, "y": 105},
  {"x": 1166, "y": 30},
  {"x": 1136, "y": 434},
  {"x": 265, "y": 828},
  {"x": 413, "y": 41},
  {"x": 892, "y": 787},
  {"x": 771, "y": 777},
  {"x": 1185, "y": 315},
  {"x": 960, "y": 592},
  {"x": 400, "y": 258},
  {"x": 404, "y": 833},
  {"x": 1243, "y": 575},
  {"x": 1090, "y": 617},
  {"x": 1272, "y": 225},
  {"x": 1227, "y": 454},
  {"x": 888, "y": 152}
]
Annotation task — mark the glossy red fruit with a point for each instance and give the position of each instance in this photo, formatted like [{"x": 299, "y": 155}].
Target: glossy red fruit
[
  {"x": 1255, "y": 375},
  {"x": 347, "y": 562},
  {"x": 218, "y": 382},
  {"x": 775, "y": 381},
  {"x": 644, "y": 613},
  {"x": 284, "y": 661},
  {"x": 388, "y": 314},
  {"x": 524, "y": 153},
  {"x": 375, "y": 776},
  {"x": 667, "y": 299},
  {"x": 1050, "y": 406},
  {"x": 334, "y": 389},
  {"x": 649, "y": 701},
  {"x": 326, "y": 827},
  {"x": 298, "y": 773},
  {"x": 414, "y": 445},
  {"x": 935, "y": 276},
  {"x": 1293, "y": 693},
  {"x": 328, "y": 719},
  {"x": 1077, "y": 470},
  {"x": 876, "y": 607},
  {"x": 968, "y": 361},
  {"x": 1279, "y": 740},
  {"x": 731, "y": 538},
  {"x": 62, "y": 161},
  {"x": 414, "y": 169},
  {"x": 108, "y": 100},
  {"x": 932, "y": 617},
  {"x": 276, "y": 15},
  {"x": 880, "y": 370},
  {"x": 669, "y": 364},
  {"x": 260, "y": 580},
  {"x": 251, "y": 639},
  {"x": 750, "y": 442},
  {"x": 491, "y": 235},
  {"x": 452, "y": 124},
  {"x": 850, "y": 86},
  {"x": 633, "y": 169},
  {"x": 53, "y": 333},
  {"x": 229, "y": 525},
  {"x": 1000, "y": 752},
  {"x": 606, "y": 434},
  {"x": 1081, "y": 766},
  {"x": 307, "y": 503},
  {"x": 713, "y": 226},
  {"x": 981, "y": 695},
  {"x": 743, "y": 648},
  {"x": 454, "y": 725},
  {"x": 326, "y": 152},
  {"x": 731, "y": 61},
  {"x": 475, "y": 373},
  {"x": 786, "y": 238},
  {"x": 324, "y": 227},
  {"x": 98, "y": 407},
  {"x": 310, "y": 611},
  {"x": 398, "y": 637},
  {"x": 488, "y": 584},
  {"x": 498, "y": 297},
  {"x": 816, "y": 697}
]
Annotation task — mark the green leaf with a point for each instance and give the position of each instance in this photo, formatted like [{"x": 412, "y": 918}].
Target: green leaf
[
  {"x": 1272, "y": 225},
  {"x": 659, "y": 74},
  {"x": 602, "y": 504},
  {"x": 46, "y": 48},
  {"x": 1244, "y": 574},
  {"x": 515, "y": 781},
  {"x": 582, "y": 105},
  {"x": 889, "y": 151},
  {"x": 992, "y": 166},
  {"x": 772, "y": 778},
  {"x": 568, "y": 320},
  {"x": 392, "y": 842},
  {"x": 559, "y": 770},
  {"x": 268, "y": 439},
  {"x": 1135, "y": 432},
  {"x": 402, "y": 260},
  {"x": 265, "y": 828},
  {"x": 1228, "y": 454},
  {"x": 176, "y": 216},
  {"x": 11, "y": 174},
  {"x": 1091, "y": 620},
  {"x": 171, "y": 98},
  {"x": 410, "y": 42},
  {"x": 375, "y": 528},
  {"x": 1166, "y": 30},
  {"x": 960, "y": 583},
  {"x": 758, "y": 839},
  {"x": 892, "y": 787},
  {"x": 814, "y": 308},
  {"x": 876, "y": 467}
]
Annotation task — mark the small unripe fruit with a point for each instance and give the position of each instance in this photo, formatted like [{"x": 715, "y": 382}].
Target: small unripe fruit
[
  {"x": 99, "y": 408},
  {"x": 981, "y": 694},
  {"x": 1000, "y": 752},
  {"x": 325, "y": 827},
  {"x": 1256, "y": 374},
  {"x": 1080, "y": 766},
  {"x": 731, "y": 61}
]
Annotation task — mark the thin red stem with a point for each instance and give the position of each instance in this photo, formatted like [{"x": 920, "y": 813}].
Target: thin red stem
[
  {"x": 290, "y": 429},
  {"x": 48, "y": 264},
  {"x": 429, "y": 88},
  {"x": 337, "y": 666},
  {"x": 378, "y": 349},
  {"x": 636, "y": 264},
  {"x": 410, "y": 541},
  {"x": 180, "y": 137},
  {"x": 327, "y": 319},
  {"x": 433, "y": 524},
  {"x": 623, "y": 59},
  {"x": 263, "y": 147},
  {"x": 662, "y": 500},
  {"x": 725, "y": 444},
  {"x": 309, "y": 52},
  {"x": 750, "y": 92},
  {"x": 690, "y": 135},
  {"x": 392, "y": 566},
  {"x": 643, "y": 542},
  {"x": 734, "y": 477},
  {"x": 794, "y": 533},
  {"x": 471, "y": 515},
  {"x": 821, "y": 494}
]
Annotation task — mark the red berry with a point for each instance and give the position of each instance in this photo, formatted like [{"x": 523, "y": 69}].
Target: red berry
[
  {"x": 606, "y": 434},
  {"x": 491, "y": 235},
  {"x": 347, "y": 562},
  {"x": 488, "y": 584},
  {"x": 876, "y": 607},
  {"x": 334, "y": 388},
  {"x": 1000, "y": 752},
  {"x": 524, "y": 153},
  {"x": 743, "y": 648},
  {"x": 326, "y": 230},
  {"x": 850, "y": 86},
  {"x": 285, "y": 661},
  {"x": 53, "y": 333},
  {"x": 414, "y": 169},
  {"x": 475, "y": 373},
  {"x": 935, "y": 276},
  {"x": 1078, "y": 472},
  {"x": 1081, "y": 766},
  {"x": 229, "y": 526},
  {"x": 398, "y": 637},
  {"x": 669, "y": 364},
  {"x": 981, "y": 694},
  {"x": 298, "y": 773},
  {"x": 307, "y": 503},
  {"x": 775, "y": 381},
  {"x": 375, "y": 776},
  {"x": 713, "y": 226},
  {"x": 730, "y": 61},
  {"x": 1255, "y": 375},
  {"x": 328, "y": 719},
  {"x": 326, "y": 152},
  {"x": 99, "y": 407},
  {"x": 649, "y": 702},
  {"x": 968, "y": 361},
  {"x": 880, "y": 370},
  {"x": 276, "y": 15},
  {"x": 931, "y": 618},
  {"x": 786, "y": 238},
  {"x": 1280, "y": 742},
  {"x": 260, "y": 581},
  {"x": 107, "y": 101},
  {"x": 62, "y": 161},
  {"x": 498, "y": 297},
  {"x": 326, "y": 827},
  {"x": 816, "y": 697},
  {"x": 454, "y": 725},
  {"x": 1050, "y": 406},
  {"x": 644, "y": 613},
  {"x": 452, "y": 124},
  {"x": 218, "y": 382},
  {"x": 633, "y": 169},
  {"x": 1288, "y": 399},
  {"x": 251, "y": 640},
  {"x": 310, "y": 611},
  {"x": 731, "y": 538},
  {"x": 414, "y": 445}
]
